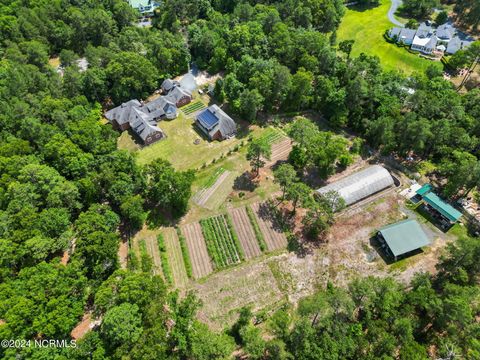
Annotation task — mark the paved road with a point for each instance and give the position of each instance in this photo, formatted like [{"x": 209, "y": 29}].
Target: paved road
[{"x": 391, "y": 12}]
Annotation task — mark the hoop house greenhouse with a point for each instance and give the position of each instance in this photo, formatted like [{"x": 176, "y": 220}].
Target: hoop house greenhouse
[{"x": 361, "y": 184}]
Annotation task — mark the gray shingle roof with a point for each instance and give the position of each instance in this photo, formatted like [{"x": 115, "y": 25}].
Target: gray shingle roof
[
  {"x": 445, "y": 31},
  {"x": 225, "y": 124},
  {"x": 458, "y": 44}
]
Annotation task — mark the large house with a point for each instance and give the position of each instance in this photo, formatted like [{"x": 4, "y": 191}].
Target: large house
[
  {"x": 142, "y": 118},
  {"x": 428, "y": 39},
  {"x": 144, "y": 7},
  {"x": 215, "y": 123},
  {"x": 136, "y": 116}
]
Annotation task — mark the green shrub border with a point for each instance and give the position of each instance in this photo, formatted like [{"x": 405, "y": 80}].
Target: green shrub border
[
  {"x": 186, "y": 257},
  {"x": 256, "y": 229}
]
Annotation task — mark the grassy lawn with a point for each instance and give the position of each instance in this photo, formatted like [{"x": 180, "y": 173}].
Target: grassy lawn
[
  {"x": 179, "y": 147},
  {"x": 366, "y": 27}
]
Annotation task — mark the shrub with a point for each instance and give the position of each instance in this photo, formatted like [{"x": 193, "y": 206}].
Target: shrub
[
  {"x": 256, "y": 229},
  {"x": 186, "y": 257},
  {"x": 167, "y": 274}
]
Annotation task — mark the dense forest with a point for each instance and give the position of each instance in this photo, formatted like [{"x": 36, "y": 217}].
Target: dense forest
[{"x": 64, "y": 185}]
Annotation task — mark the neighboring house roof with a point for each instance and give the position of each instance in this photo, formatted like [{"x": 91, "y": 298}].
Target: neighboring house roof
[
  {"x": 425, "y": 27},
  {"x": 432, "y": 43},
  {"x": 214, "y": 119},
  {"x": 404, "y": 236},
  {"x": 445, "y": 31},
  {"x": 407, "y": 34},
  {"x": 424, "y": 189},
  {"x": 360, "y": 184},
  {"x": 458, "y": 43},
  {"x": 442, "y": 207},
  {"x": 395, "y": 31}
]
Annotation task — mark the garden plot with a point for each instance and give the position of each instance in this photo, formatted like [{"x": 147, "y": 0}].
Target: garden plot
[
  {"x": 193, "y": 107},
  {"x": 223, "y": 294},
  {"x": 222, "y": 243},
  {"x": 245, "y": 231},
  {"x": 174, "y": 252},
  {"x": 273, "y": 235},
  {"x": 280, "y": 151},
  {"x": 201, "y": 264},
  {"x": 204, "y": 194}
]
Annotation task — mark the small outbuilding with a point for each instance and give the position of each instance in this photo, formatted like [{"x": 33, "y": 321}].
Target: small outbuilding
[
  {"x": 360, "y": 185},
  {"x": 402, "y": 238},
  {"x": 442, "y": 211}
]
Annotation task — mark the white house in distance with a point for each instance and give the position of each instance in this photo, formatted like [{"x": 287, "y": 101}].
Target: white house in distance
[
  {"x": 428, "y": 39},
  {"x": 145, "y": 7}
]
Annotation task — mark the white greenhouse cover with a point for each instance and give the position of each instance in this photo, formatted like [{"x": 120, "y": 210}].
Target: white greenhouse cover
[{"x": 361, "y": 184}]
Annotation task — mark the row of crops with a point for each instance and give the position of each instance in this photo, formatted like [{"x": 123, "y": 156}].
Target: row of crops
[
  {"x": 222, "y": 243},
  {"x": 191, "y": 108},
  {"x": 272, "y": 135}
]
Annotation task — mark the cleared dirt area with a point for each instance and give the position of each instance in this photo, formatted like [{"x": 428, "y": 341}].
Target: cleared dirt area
[
  {"x": 350, "y": 251},
  {"x": 123, "y": 254},
  {"x": 245, "y": 232},
  {"x": 84, "y": 326},
  {"x": 280, "y": 151},
  {"x": 180, "y": 279},
  {"x": 202, "y": 196},
  {"x": 201, "y": 263},
  {"x": 274, "y": 237},
  {"x": 224, "y": 293}
]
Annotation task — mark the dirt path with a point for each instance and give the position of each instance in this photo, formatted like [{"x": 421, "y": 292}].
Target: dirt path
[
  {"x": 274, "y": 237},
  {"x": 245, "y": 232},
  {"x": 280, "y": 152},
  {"x": 201, "y": 264},
  {"x": 175, "y": 258},
  {"x": 202, "y": 196},
  {"x": 123, "y": 254}
]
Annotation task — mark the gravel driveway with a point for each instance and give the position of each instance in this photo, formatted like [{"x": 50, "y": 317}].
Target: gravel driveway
[{"x": 391, "y": 12}]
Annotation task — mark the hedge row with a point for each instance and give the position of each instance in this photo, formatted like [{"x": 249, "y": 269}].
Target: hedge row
[
  {"x": 186, "y": 257},
  {"x": 146, "y": 261},
  {"x": 167, "y": 273},
  {"x": 256, "y": 229}
]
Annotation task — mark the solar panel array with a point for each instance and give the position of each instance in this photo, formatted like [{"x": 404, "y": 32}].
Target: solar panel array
[{"x": 207, "y": 119}]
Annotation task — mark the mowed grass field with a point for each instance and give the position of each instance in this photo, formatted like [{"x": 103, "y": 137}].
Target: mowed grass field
[
  {"x": 366, "y": 26},
  {"x": 179, "y": 147}
]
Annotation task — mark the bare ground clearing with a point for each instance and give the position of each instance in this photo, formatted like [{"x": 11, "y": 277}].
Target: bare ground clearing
[
  {"x": 274, "y": 237},
  {"x": 224, "y": 293},
  {"x": 201, "y": 263},
  {"x": 245, "y": 232}
]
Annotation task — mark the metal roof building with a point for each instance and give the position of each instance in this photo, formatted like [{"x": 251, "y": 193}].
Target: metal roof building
[
  {"x": 361, "y": 184},
  {"x": 404, "y": 237}
]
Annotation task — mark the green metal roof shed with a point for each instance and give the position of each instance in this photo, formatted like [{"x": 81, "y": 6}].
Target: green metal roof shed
[
  {"x": 442, "y": 207},
  {"x": 424, "y": 189},
  {"x": 404, "y": 236}
]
